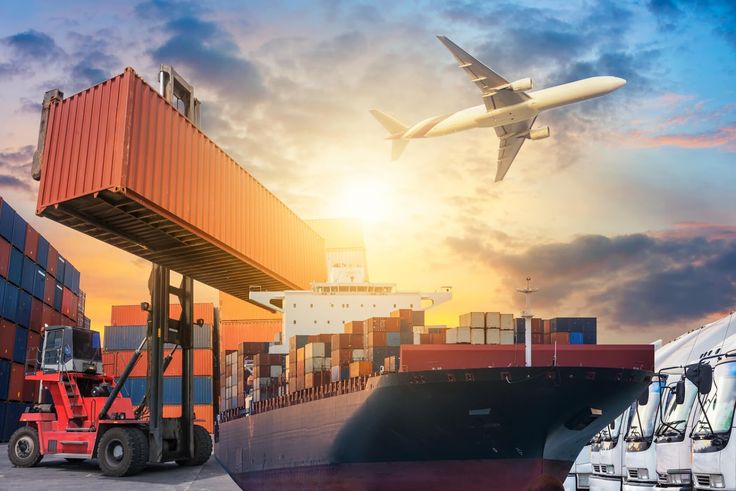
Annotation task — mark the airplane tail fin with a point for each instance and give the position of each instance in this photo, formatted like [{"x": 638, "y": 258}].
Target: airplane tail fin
[{"x": 396, "y": 129}]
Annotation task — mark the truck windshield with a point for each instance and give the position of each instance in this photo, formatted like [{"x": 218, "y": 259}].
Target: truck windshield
[
  {"x": 86, "y": 345},
  {"x": 612, "y": 431},
  {"x": 719, "y": 405},
  {"x": 646, "y": 416},
  {"x": 676, "y": 415}
]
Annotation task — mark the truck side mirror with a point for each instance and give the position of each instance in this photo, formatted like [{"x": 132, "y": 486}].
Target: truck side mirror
[
  {"x": 644, "y": 397},
  {"x": 701, "y": 375},
  {"x": 612, "y": 425},
  {"x": 680, "y": 392}
]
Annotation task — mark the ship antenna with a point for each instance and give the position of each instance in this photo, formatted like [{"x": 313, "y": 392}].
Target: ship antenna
[{"x": 527, "y": 315}]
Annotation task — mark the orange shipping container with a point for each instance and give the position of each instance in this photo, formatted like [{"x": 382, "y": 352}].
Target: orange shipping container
[
  {"x": 346, "y": 341},
  {"x": 383, "y": 324},
  {"x": 233, "y": 333},
  {"x": 376, "y": 339},
  {"x": 354, "y": 327},
  {"x": 360, "y": 368},
  {"x": 119, "y": 150},
  {"x": 114, "y": 363},
  {"x": 132, "y": 315},
  {"x": 203, "y": 414}
]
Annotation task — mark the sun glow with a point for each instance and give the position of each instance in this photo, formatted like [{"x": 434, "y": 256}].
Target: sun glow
[{"x": 366, "y": 198}]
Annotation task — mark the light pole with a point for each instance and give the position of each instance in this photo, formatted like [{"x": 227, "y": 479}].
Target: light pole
[{"x": 527, "y": 315}]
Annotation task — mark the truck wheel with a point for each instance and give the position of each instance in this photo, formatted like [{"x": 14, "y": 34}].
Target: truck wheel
[
  {"x": 122, "y": 452},
  {"x": 23, "y": 447},
  {"x": 202, "y": 448}
]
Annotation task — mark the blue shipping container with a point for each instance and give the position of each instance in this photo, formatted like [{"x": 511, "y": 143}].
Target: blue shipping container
[
  {"x": 23, "y": 311},
  {"x": 10, "y": 302},
  {"x": 129, "y": 337},
  {"x": 19, "y": 232},
  {"x": 135, "y": 388},
  {"x": 60, "y": 266},
  {"x": 13, "y": 412},
  {"x": 4, "y": 379},
  {"x": 68, "y": 275},
  {"x": 576, "y": 338},
  {"x": 58, "y": 292},
  {"x": 39, "y": 283},
  {"x": 15, "y": 269},
  {"x": 21, "y": 343},
  {"x": 75, "y": 282},
  {"x": 29, "y": 273},
  {"x": 7, "y": 217},
  {"x": 43, "y": 252},
  {"x": 3, "y": 412}
]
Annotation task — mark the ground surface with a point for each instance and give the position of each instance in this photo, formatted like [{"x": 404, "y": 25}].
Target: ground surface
[{"x": 56, "y": 474}]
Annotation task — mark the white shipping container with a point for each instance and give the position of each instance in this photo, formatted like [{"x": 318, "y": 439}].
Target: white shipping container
[
  {"x": 451, "y": 335},
  {"x": 276, "y": 371},
  {"x": 473, "y": 319},
  {"x": 493, "y": 336},
  {"x": 493, "y": 319},
  {"x": 477, "y": 335},
  {"x": 463, "y": 335},
  {"x": 419, "y": 330},
  {"x": 507, "y": 321},
  {"x": 417, "y": 338},
  {"x": 507, "y": 336},
  {"x": 313, "y": 350},
  {"x": 358, "y": 355}
]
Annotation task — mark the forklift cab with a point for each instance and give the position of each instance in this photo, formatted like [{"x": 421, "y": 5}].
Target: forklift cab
[{"x": 70, "y": 349}]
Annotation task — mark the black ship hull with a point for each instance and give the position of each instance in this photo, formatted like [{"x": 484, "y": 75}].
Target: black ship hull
[{"x": 492, "y": 428}]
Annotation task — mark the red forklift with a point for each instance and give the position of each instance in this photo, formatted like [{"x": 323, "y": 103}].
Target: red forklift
[{"x": 89, "y": 418}]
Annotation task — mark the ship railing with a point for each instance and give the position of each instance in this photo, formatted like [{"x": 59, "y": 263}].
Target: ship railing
[{"x": 331, "y": 389}]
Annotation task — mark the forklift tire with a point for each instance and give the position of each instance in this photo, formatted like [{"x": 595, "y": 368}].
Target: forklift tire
[
  {"x": 202, "y": 448},
  {"x": 23, "y": 447},
  {"x": 122, "y": 451}
]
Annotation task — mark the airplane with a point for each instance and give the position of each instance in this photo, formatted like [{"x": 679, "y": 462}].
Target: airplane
[{"x": 507, "y": 108}]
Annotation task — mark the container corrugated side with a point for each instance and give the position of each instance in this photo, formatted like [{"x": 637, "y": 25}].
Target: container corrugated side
[
  {"x": 233, "y": 333},
  {"x": 118, "y": 158},
  {"x": 132, "y": 315},
  {"x": 116, "y": 338},
  {"x": 203, "y": 415},
  {"x": 135, "y": 388},
  {"x": 114, "y": 363}
]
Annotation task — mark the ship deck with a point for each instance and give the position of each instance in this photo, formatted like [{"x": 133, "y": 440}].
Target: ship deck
[{"x": 58, "y": 474}]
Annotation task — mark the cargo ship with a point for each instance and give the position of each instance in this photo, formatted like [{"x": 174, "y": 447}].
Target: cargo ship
[
  {"x": 483, "y": 428},
  {"x": 465, "y": 415}
]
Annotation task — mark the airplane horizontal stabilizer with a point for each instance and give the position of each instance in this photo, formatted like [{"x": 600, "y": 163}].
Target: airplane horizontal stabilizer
[{"x": 396, "y": 129}]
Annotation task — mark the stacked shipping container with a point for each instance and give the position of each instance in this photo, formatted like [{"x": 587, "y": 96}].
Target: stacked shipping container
[
  {"x": 560, "y": 330},
  {"x": 483, "y": 328},
  {"x": 37, "y": 286},
  {"x": 127, "y": 330}
]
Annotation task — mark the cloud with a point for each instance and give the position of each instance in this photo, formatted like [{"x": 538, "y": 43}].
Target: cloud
[
  {"x": 27, "y": 49},
  {"x": 633, "y": 280},
  {"x": 720, "y": 137},
  {"x": 15, "y": 169}
]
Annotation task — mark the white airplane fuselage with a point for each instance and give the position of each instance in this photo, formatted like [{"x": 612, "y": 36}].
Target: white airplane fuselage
[{"x": 541, "y": 100}]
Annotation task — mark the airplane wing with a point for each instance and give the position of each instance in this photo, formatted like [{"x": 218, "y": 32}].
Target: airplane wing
[
  {"x": 486, "y": 79},
  {"x": 511, "y": 137}
]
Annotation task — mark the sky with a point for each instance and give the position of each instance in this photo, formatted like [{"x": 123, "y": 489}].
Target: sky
[{"x": 627, "y": 212}]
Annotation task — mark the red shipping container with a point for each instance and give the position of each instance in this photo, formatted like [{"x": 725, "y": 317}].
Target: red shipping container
[
  {"x": 34, "y": 343},
  {"x": 17, "y": 379},
  {"x": 69, "y": 304},
  {"x": 560, "y": 338},
  {"x": 383, "y": 324},
  {"x": 132, "y": 315},
  {"x": 52, "y": 260},
  {"x": 140, "y": 152},
  {"x": 114, "y": 363},
  {"x": 30, "y": 391},
  {"x": 47, "y": 316},
  {"x": 458, "y": 356},
  {"x": 346, "y": 341},
  {"x": 36, "y": 322},
  {"x": 31, "y": 249},
  {"x": 4, "y": 257},
  {"x": 49, "y": 290},
  {"x": 203, "y": 414},
  {"x": 354, "y": 327},
  {"x": 376, "y": 339},
  {"x": 7, "y": 339},
  {"x": 437, "y": 338},
  {"x": 425, "y": 338}
]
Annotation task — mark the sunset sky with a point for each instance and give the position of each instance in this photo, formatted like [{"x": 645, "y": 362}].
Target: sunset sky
[{"x": 627, "y": 213}]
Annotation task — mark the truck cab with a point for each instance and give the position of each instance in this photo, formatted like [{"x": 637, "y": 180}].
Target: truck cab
[
  {"x": 608, "y": 472},
  {"x": 713, "y": 453},
  {"x": 640, "y": 458},
  {"x": 578, "y": 478}
]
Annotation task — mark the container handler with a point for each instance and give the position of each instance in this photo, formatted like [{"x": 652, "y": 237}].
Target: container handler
[{"x": 88, "y": 416}]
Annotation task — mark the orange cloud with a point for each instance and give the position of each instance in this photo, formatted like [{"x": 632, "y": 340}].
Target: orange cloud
[{"x": 722, "y": 137}]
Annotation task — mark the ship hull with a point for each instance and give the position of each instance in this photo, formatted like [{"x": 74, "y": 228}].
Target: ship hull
[{"x": 487, "y": 428}]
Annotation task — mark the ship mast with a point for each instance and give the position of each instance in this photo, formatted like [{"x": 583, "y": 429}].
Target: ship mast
[{"x": 527, "y": 315}]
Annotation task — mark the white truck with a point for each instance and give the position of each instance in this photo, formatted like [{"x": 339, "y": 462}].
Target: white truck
[
  {"x": 578, "y": 479},
  {"x": 639, "y": 455},
  {"x": 608, "y": 466}
]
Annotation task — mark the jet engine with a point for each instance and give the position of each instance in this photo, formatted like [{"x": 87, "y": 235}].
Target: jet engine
[
  {"x": 539, "y": 133},
  {"x": 521, "y": 85}
]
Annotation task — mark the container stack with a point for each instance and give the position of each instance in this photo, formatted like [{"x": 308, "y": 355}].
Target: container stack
[
  {"x": 346, "y": 348},
  {"x": 237, "y": 369},
  {"x": 268, "y": 376},
  {"x": 128, "y": 328},
  {"x": 381, "y": 339},
  {"x": 308, "y": 362},
  {"x": 482, "y": 328},
  {"x": 430, "y": 334},
  {"x": 560, "y": 330},
  {"x": 37, "y": 286}
]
